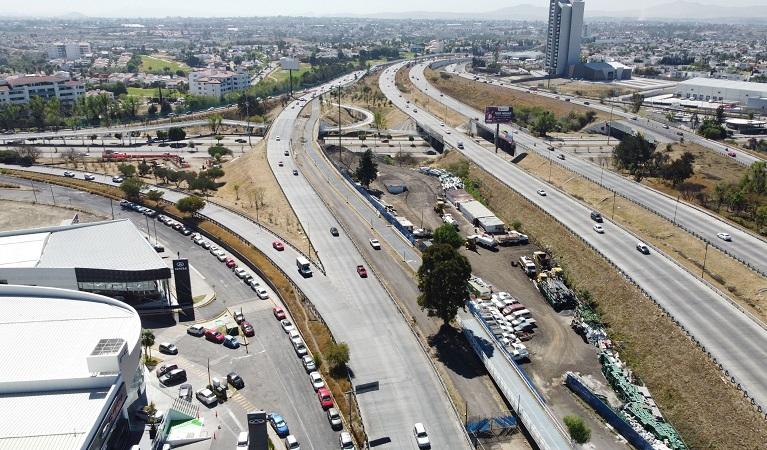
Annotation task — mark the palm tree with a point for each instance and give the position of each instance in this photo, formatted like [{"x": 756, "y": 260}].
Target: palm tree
[
  {"x": 214, "y": 121},
  {"x": 147, "y": 341}
]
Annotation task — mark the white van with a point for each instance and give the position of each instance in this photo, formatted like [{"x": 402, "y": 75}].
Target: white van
[{"x": 303, "y": 266}]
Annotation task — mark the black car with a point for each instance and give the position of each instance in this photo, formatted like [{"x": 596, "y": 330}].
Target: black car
[
  {"x": 334, "y": 231},
  {"x": 596, "y": 217},
  {"x": 185, "y": 231},
  {"x": 235, "y": 380}
]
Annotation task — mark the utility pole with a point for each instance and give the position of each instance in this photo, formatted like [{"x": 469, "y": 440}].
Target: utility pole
[
  {"x": 209, "y": 382},
  {"x": 339, "y": 122},
  {"x": 34, "y": 191},
  {"x": 675, "y": 208},
  {"x": 703, "y": 269},
  {"x": 247, "y": 116},
  {"x": 498, "y": 130},
  {"x": 608, "y": 124},
  {"x": 52, "y": 196},
  {"x": 613, "y": 215}
]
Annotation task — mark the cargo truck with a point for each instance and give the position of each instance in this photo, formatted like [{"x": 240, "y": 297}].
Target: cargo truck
[{"x": 304, "y": 268}]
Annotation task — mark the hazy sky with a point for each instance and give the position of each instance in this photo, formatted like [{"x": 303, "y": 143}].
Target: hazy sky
[{"x": 149, "y": 8}]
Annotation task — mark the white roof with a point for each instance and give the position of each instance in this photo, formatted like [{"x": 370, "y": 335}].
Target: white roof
[
  {"x": 110, "y": 245},
  {"x": 726, "y": 84}
]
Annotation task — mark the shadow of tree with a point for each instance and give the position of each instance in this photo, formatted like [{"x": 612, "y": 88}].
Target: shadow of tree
[{"x": 454, "y": 351}]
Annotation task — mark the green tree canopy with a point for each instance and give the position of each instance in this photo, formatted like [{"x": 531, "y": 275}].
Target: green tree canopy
[
  {"x": 218, "y": 151},
  {"x": 190, "y": 204},
  {"x": 632, "y": 154},
  {"x": 154, "y": 194},
  {"x": 447, "y": 234},
  {"x": 442, "y": 280},
  {"x": 544, "y": 123},
  {"x": 337, "y": 355},
  {"x": 127, "y": 170},
  {"x": 132, "y": 188},
  {"x": 367, "y": 170},
  {"x": 176, "y": 134},
  {"x": 680, "y": 169}
]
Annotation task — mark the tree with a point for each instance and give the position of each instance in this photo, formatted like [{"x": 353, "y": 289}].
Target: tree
[
  {"x": 367, "y": 171},
  {"x": 217, "y": 152},
  {"x": 379, "y": 120},
  {"x": 152, "y": 110},
  {"x": 579, "y": 431},
  {"x": 202, "y": 183},
  {"x": 760, "y": 216},
  {"x": 154, "y": 195},
  {"x": 190, "y": 204},
  {"x": 337, "y": 355},
  {"x": 36, "y": 108},
  {"x": 214, "y": 122},
  {"x": 442, "y": 280},
  {"x": 132, "y": 188},
  {"x": 680, "y": 169},
  {"x": 636, "y": 102},
  {"x": 130, "y": 106},
  {"x": 127, "y": 170},
  {"x": 544, "y": 123},
  {"x": 632, "y": 154},
  {"x": 720, "y": 114},
  {"x": 147, "y": 341},
  {"x": 143, "y": 168},
  {"x": 712, "y": 129},
  {"x": 162, "y": 173},
  {"x": 176, "y": 134},
  {"x": 162, "y": 135},
  {"x": 447, "y": 234}
]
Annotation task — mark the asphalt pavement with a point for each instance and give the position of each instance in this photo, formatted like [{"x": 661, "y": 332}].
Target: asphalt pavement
[{"x": 734, "y": 340}]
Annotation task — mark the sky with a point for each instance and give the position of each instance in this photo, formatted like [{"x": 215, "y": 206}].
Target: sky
[{"x": 207, "y": 8}]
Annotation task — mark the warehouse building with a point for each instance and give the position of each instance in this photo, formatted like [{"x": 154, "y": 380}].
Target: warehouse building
[
  {"x": 76, "y": 384},
  {"x": 747, "y": 94},
  {"x": 110, "y": 258},
  {"x": 479, "y": 216},
  {"x": 602, "y": 71}
]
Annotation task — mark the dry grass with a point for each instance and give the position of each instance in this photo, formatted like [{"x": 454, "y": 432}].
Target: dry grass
[
  {"x": 421, "y": 100},
  {"x": 88, "y": 186},
  {"x": 250, "y": 178},
  {"x": 478, "y": 95},
  {"x": 686, "y": 384},
  {"x": 355, "y": 96},
  {"x": 585, "y": 88},
  {"x": 743, "y": 285}
]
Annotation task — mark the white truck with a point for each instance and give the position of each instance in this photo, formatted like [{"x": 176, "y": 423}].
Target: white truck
[
  {"x": 304, "y": 268},
  {"x": 448, "y": 218}
]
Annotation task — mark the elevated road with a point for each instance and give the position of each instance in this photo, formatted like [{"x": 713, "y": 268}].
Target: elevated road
[
  {"x": 734, "y": 339},
  {"x": 745, "y": 246}
]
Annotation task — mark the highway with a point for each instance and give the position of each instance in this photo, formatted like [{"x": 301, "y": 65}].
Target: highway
[
  {"x": 735, "y": 340},
  {"x": 673, "y": 133},
  {"x": 745, "y": 246}
]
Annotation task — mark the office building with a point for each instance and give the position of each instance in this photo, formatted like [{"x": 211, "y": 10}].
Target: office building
[
  {"x": 72, "y": 378},
  {"x": 215, "y": 83},
  {"x": 108, "y": 258},
  {"x": 69, "y": 51},
  {"x": 563, "y": 40},
  {"x": 19, "y": 89}
]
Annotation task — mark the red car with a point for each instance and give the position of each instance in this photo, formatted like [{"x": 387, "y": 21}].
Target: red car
[
  {"x": 278, "y": 312},
  {"x": 230, "y": 262},
  {"x": 214, "y": 336},
  {"x": 362, "y": 272},
  {"x": 247, "y": 329},
  {"x": 279, "y": 246},
  {"x": 733, "y": 154},
  {"x": 326, "y": 400}
]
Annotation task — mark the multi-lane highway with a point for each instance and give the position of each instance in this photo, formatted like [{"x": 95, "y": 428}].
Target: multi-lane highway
[
  {"x": 745, "y": 246},
  {"x": 673, "y": 133},
  {"x": 737, "y": 341}
]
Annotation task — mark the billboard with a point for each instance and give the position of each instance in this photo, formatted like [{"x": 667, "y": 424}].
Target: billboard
[
  {"x": 289, "y": 63},
  {"x": 498, "y": 114}
]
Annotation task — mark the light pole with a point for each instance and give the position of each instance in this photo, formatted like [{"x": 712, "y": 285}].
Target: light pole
[
  {"x": 703, "y": 269},
  {"x": 52, "y": 196},
  {"x": 613, "y": 215},
  {"x": 676, "y": 206}
]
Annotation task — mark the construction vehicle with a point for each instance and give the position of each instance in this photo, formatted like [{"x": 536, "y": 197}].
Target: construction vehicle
[
  {"x": 554, "y": 290},
  {"x": 542, "y": 260}
]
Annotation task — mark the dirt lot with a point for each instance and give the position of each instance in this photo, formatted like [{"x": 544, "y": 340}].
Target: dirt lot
[
  {"x": 575, "y": 87},
  {"x": 27, "y": 215},
  {"x": 678, "y": 374},
  {"x": 479, "y": 95}
]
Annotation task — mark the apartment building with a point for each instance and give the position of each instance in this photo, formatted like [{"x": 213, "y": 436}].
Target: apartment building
[
  {"x": 69, "y": 50},
  {"x": 215, "y": 83},
  {"x": 19, "y": 89},
  {"x": 563, "y": 37}
]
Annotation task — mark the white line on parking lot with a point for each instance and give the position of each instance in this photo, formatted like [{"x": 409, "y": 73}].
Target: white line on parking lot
[
  {"x": 244, "y": 356},
  {"x": 234, "y": 418}
]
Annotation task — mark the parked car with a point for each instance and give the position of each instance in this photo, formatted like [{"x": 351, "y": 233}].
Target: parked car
[
  {"x": 334, "y": 231},
  {"x": 316, "y": 380},
  {"x": 165, "y": 368},
  {"x": 643, "y": 248},
  {"x": 278, "y": 312},
  {"x": 214, "y": 336},
  {"x": 196, "y": 330},
  {"x": 185, "y": 392},
  {"x": 300, "y": 349},
  {"x": 261, "y": 291},
  {"x": 279, "y": 246},
  {"x": 326, "y": 400},
  {"x": 335, "y": 419},
  {"x": 362, "y": 272},
  {"x": 247, "y": 329},
  {"x": 240, "y": 272},
  {"x": 239, "y": 317},
  {"x": 287, "y": 325},
  {"x": 345, "y": 441},
  {"x": 421, "y": 437},
  {"x": 375, "y": 244},
  {"x": 291, "y": 443},
  {"x": 168, "y": 348},
  {"x": 231, "y": 341},
  {"x": 295, "y": 172},
  {"x": 174, "y": 376},
  {"x": 229, "y": 261},
  {"x": 309, "y": 363},
  {"x": 235, "y": 380},
  {"x": 724, "y": 236},
  {"x": 207, "y": 397},
  {"x": 278, "y": 424}
]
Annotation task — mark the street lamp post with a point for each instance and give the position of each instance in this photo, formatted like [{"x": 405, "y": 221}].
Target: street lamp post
[
  {"x": 703, "y": 269},
  {"x": 676, "y": 206}
]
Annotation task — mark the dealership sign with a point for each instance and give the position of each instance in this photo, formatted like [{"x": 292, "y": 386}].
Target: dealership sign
[{"x": 498, "y": 114}]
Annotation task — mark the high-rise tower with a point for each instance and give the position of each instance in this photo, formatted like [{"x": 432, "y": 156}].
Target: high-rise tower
[{"x": 563, "y": 40}]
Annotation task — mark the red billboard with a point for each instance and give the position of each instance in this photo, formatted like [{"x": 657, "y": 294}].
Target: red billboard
[{"x": 498, "y": 114}]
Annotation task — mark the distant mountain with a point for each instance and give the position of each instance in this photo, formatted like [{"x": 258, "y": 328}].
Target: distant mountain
[{"x": 518, "y": 12}]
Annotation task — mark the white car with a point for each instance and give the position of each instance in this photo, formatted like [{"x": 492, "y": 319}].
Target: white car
[
  {"x": 345, "y": 441},
  {"x": 316, "y": 379},
  {"x": 240, "y": 272},
  {"x": 724, "y": 236},
  {"x": 260, "y": 291},
  {"x": 421, "y": 438},
  {"x": 89, "y": 177},
  {"x": 375, "y": 244},
  {"x": 117, "y": 179},
  {"x": 599, "y": 228},
  {"x": 277, "y": 138},
  {"x": 219, "y": 254},
  {"x": 643, "y": 248},
  {"x": 243, "y": 441},
  {"x": 309, "y": 363},
  {"x": 291, "y": 443},
  {"x": 206, "y": 397},
  {"x": 541, "y": 192},
  {"x": 288, "y": 327}
]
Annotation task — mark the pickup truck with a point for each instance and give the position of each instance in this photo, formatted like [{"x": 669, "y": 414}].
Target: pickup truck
[{"x": 448, "y": 218}]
